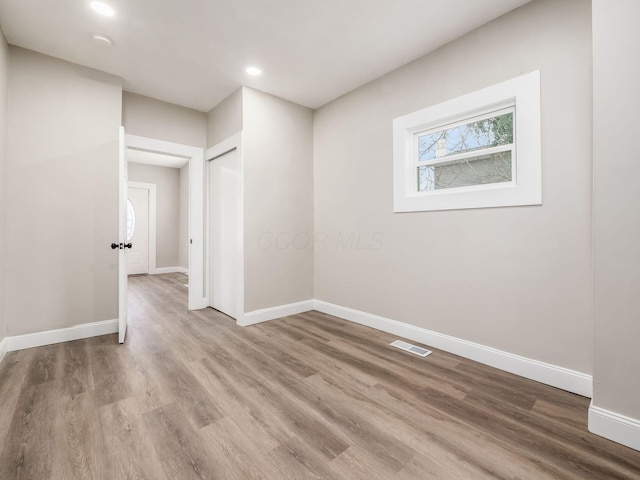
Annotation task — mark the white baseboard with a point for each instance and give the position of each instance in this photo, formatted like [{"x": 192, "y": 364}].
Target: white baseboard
[
  {"x": 615, "y": 427},
  {"x": 161, "y": 270},
  {"x": 265, "y": 314},
  {"x": 3, "y": 349},
  {"x": 569, "y": 380},
  {"x": 77, "y": 332},
  {"x": 553, "y": 375},
  {"x": 559, "y": 377}
]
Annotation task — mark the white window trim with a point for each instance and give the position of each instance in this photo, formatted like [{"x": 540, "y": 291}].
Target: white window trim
[{"x": 526, "y": 186}]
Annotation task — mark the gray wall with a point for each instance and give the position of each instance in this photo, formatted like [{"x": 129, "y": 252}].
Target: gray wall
[
  {"x": 278, "y": 201},
  {"x": 63, "y": 193},
  {"x": 4, "y": 80},
  {"x": 225, "y": 119},
  {"x": 167, "y": 181},
  {"x": 616, "y": 206},
  {"x": 148, "y": 117},
  {"x": 183, "y": 230},
  {"x": 517, "y": 279}
]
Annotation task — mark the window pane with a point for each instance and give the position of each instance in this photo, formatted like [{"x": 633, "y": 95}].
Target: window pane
[
  {"x": 490, "y": 132},
  {"x": 481, "y": 170},
  {"x": 131, "y": 220}
]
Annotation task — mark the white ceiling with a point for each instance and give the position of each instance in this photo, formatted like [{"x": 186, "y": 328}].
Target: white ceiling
[
  {"x": 153, "y": 158},
  {"x": 194, "y": 52}
]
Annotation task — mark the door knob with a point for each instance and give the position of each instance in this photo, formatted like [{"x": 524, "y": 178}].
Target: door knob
[{"x": 128, "y": 245}]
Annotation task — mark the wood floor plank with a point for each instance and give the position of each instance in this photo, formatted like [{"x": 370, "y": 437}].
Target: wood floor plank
[
  {"x": 239, "y": 408},
  {"x": 13, "y": 372},
  {"x": 147, "y": 385},
  {"x": 29, "y": 449},
  {"x": 245, "y": 434},
  {"x": 569, "y": 414},
  {"x": 558, "y": 444},
  {"x": 362, "y": 465},
  {"x": 295, "y": 459},
  {"x": 181, "y": 454},
  {"x": 191, "y": 395},
  {"x": 128, "y": 443},
  {"x": 109, "y": 375},
  {"x": 177, "y": 381},
  {"x": 349, "y": 421},
  {"x": 289, "y": 415},
  {"x": 232, "y": 456},
  {"x": 79, "y": 441},
  {"x": 45, "y": 364},
  {"x": 440, "y": 465},
  {"x": 430, "y": 432}
]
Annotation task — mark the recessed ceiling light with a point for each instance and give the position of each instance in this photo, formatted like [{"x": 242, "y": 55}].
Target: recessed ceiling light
[
  {"x": 102, "y": 8},
  {"x": 102, "y": 39},
  {"x": 254, "y": 71}
]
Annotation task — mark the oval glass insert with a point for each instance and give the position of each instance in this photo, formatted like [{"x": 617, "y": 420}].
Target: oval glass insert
[{"x": 131, "y": 219}]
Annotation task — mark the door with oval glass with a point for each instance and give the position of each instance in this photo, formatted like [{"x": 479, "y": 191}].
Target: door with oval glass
[{"x": 138, "y": 230}]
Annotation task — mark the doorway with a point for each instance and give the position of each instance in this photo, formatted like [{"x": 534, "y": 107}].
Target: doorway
[{"x": 193, "y": 156}]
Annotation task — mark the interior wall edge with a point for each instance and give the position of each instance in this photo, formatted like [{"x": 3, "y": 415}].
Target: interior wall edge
[
  {"x": 615, "y": 427},
  {"x": 272, "y": 313}
]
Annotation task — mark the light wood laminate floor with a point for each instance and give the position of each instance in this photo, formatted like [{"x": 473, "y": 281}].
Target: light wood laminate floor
[{"x": 193, "y": 396}]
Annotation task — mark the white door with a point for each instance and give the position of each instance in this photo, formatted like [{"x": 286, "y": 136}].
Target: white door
[
  {"x": 138, "y": 234},
  {"x": 225, "y": 246},
  {"x": 122, "y": 238}
]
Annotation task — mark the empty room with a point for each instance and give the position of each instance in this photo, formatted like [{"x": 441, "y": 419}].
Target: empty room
[{"x": 342, "y": 240}]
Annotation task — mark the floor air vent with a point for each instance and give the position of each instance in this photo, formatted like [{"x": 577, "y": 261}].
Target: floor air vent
[{"x": 423, "y": 352}]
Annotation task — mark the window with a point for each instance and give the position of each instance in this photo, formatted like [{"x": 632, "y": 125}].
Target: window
[
  {"x": 131, "y": 220},
  {"x": 478, "y": 151},
  {"x": 475, "y": 151}
]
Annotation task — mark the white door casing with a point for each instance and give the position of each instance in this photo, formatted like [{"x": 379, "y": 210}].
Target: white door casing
[
  {"x": 197, "y": 295},
  {"x": 138, "y": 257},
  {"x": 122, "y": 237}
]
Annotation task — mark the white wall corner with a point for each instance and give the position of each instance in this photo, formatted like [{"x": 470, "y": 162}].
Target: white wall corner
[
  {"x": 49, "y": 337},
  {"x": 266, "y": 314},
  {"x": 559, "y": 377},
  {"x": 615, "y": 427}
]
